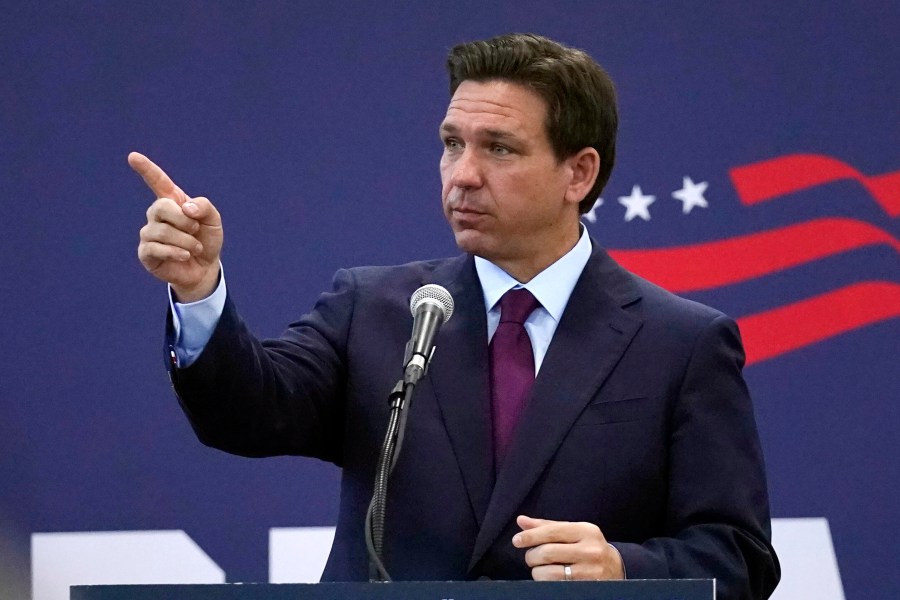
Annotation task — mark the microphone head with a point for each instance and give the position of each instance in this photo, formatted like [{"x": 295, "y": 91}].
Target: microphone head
[{"x": 435, "y": 295}]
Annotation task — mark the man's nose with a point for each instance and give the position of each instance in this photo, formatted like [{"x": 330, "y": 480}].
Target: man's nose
[{"x": 467, "y": 170}]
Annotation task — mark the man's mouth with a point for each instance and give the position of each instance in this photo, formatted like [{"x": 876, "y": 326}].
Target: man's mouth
[{"x": 468, "y": 211}]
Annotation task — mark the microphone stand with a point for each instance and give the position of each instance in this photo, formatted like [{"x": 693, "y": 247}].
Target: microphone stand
[
  {"x": 431, "y": 305},
  {"x": 400, "y": 398}
]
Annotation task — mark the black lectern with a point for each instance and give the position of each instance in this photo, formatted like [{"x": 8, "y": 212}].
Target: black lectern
[{"x": 683, "y": 589}]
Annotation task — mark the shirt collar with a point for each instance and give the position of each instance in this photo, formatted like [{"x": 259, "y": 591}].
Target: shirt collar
[{"x": 552, "y": 286}]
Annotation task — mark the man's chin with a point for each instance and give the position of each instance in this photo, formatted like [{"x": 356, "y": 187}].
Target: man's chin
[{"x": 471, "y": 242}]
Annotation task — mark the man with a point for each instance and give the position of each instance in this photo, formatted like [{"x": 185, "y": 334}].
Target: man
[{"x": 633, "y": 452}]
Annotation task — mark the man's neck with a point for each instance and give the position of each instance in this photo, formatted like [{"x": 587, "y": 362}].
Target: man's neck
[
  {"x": 527, "y": 268},
  {"x": 552, "y": 286}
]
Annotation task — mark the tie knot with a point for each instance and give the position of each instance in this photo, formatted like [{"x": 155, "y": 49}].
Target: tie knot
[{"x": 516, "y": 305}]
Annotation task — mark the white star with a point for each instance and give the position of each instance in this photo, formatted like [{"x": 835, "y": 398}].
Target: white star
[
  {"x": 591, "y": 215},
  {"x": 691, "y": 194},
  {"x": 637, "y": 204}
]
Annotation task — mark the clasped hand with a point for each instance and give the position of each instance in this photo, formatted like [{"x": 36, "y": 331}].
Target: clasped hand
[{"x": 553, "y": 545}]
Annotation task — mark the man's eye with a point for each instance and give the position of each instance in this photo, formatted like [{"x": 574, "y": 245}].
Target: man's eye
[
  {"x": 451, "y": 144},
  {"x": 500, "y": 150}
]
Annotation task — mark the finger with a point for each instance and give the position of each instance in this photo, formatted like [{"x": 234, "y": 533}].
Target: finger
[
  {"x": 549, "y": 554},
  {"x": 166, "y": 210},
  {"x": 526, "y": 522},
  {"x": 202, "y": 210},
  {"x": 551, "y": 573},
  {"x": 156, "y": 252},
  {"x": 169, "y": 235},
  {"x": 155, "y": 178},
  {"x": 552, "y": 532}
]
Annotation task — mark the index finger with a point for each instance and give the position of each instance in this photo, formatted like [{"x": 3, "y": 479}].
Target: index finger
[
  {"x": 526, "y": 522},
  {"x": 550, "y": 532},
  {"x": 155, "y": 178}
]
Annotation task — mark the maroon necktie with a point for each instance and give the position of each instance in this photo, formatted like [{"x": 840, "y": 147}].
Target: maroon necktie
[{"x": 512, "y": 367}]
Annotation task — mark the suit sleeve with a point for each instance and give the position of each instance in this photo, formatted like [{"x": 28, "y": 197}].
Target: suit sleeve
[
  {"x": 274, "y": 397},
  {"x": 717, "y": 521}
]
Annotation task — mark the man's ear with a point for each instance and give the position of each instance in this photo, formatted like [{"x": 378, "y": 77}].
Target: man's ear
[{"x": 584, "y": 166}]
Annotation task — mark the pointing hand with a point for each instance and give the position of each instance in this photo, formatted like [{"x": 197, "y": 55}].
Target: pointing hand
[{"x": 182, "y": 239}]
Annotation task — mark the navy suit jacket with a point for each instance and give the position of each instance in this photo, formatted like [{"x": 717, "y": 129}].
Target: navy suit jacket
[{"x": 639, "y": 422}]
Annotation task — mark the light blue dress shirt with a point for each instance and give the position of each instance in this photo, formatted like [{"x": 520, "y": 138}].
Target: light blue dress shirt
[
  {"x": 552, "y": 288},
  {"x": 195, "y": 322}
]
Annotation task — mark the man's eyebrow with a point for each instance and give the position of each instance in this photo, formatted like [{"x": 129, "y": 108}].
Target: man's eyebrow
[
  {"x": 500, "y": 134},
  {"x": 494, "y": 134}
]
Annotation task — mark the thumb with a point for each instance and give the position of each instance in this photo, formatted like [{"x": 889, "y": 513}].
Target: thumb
[{"x": 202, "y": 210}]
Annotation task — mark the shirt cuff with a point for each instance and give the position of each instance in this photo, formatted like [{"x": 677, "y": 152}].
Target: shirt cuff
[
  {"x": 621, "y": 560},
  {"x": 195, "y": 322}
]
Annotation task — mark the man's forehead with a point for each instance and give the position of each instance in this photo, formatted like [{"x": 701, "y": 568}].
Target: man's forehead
[
  {"x": 496, "y": 95},
  {"x": 494, "y": 105}
]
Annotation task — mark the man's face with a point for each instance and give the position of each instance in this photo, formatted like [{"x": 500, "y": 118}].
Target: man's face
[{"x": 503, "y": 191}]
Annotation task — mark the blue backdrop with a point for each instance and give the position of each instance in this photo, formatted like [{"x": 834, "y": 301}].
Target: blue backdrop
[{"x": 313, "y": 127}]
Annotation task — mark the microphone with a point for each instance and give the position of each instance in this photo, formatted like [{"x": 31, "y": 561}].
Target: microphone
[{"x": 431, "y": 306}]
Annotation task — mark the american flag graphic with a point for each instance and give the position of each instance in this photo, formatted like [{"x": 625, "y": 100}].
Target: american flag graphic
[{"x": 793, "y": 324}]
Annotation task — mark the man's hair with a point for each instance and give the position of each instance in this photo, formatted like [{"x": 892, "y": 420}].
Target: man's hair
[{"x": 580, "y": 96}]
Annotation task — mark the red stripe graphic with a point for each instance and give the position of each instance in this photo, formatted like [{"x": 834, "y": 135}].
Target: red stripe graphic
[
  {"x": 713, "y": 264},
  {"x": 769, "y": 179},
  {"x": 774, "y": 332}
]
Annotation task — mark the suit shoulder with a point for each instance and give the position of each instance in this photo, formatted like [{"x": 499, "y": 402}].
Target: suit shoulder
[
  {"x": 659, "y": 303},
  {"x": 645, "y": 299},
  {"x": 681, "y": 325},
  {"x": 411, "y": 273}
]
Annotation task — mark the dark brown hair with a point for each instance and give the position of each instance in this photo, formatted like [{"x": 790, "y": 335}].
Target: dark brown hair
[{"x": 580, "y": 96}]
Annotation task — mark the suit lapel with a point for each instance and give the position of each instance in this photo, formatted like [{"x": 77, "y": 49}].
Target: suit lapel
[
  {"x": 592, "y": 336},
  {"x": 459, "y": 378}
]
